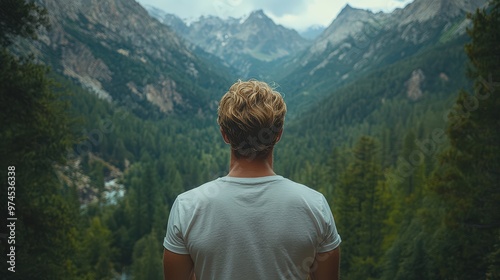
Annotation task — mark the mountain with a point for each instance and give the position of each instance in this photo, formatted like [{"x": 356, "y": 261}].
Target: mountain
[
  {"x": 425, "y": 10},
  {"x": 118, "y": 51},
  {"x": 359, "y": 41},
  {"x": 349, "y": 22},
  {"x": 392, "y": 98},
  {"x": 244, "y": 44},
  {"x": 312, "y": 32},
  {"x": 171, "y": 20}
]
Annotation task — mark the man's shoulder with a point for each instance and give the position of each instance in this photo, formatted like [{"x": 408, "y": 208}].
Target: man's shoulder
[
  {"x": 207, "y": 189},
  {"x": 214, "y": 188},
  {"x": 299, "y": 187}
]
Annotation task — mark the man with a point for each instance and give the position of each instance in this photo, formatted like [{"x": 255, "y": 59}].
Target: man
[{"x": 251, "y": 224}]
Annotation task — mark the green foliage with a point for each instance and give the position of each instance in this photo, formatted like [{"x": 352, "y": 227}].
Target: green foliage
[
  {"x": 33, "y": 122},
  {"x": 375, "y": 105},
  {"x": 358, "y": 211},
  {"x": 160, "y": 159},
  {"x": 97, "y": 251},
  {"x": 35, "y": 136},
  {"x": 147, "y": 258},
  {"x": 466, "y": 180},
  {"x": 441, "y": 208},
  {"x": 20, "y": 18},
  {"x": 452, "y": 221}
]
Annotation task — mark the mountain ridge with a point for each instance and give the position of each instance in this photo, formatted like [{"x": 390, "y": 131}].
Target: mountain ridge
[
  {"x": 424, "y": 10},
  {"x": 141, "y": 61},
  {"x": 137, "y": 62},
  {"x": 359, "y": 41},
  {"x": 244, "y": 43}
]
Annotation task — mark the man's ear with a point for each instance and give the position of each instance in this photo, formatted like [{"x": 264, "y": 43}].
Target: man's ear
[
  {"x": 224, "y": 136},
  {"x": 278, "y": 137}
]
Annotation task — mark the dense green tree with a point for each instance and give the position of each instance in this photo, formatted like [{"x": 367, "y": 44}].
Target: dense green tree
[
  {"x": 467, "y": 178},
  {"x": 96, "y": 173},
  {"x": 97, "y": 251},
  {"x": 147, "y": 258},
  {"x": 357, "y": 207},
  {"x": 20, "y": 18},
  {"x": 35, "y": 134},
  {"x": 405, "y": 254}
]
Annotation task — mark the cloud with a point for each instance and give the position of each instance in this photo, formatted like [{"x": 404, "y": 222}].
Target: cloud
[
  {"x": 379, "y": 5},
  {"x": 231, "y": 8},
  {"x": 318, "y": 12},
  {"x": 277, "y": 8}
]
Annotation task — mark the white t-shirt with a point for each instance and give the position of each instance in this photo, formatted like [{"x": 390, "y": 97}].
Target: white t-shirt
[{"x": 251, "y": 228}]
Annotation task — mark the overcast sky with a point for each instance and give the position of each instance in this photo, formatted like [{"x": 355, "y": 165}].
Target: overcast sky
[{"x": 297, "y": 14}]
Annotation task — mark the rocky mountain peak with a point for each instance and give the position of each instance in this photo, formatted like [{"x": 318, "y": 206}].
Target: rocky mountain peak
[
  {"x": 357, "y": 41},
  {"x": 258, "y": 13},
  {"x": 258, "y": 18},
  {"x": 171, "y": 20},
  {"x": 350, "y": 21},
  {"x": 425, "y": 10},
  {"x": 348, "y": 9}
]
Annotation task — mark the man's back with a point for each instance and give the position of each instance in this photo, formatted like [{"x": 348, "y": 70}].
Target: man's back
[{"x": 251, "y": 228}]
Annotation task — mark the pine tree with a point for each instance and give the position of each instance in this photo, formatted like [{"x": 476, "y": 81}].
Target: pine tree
[
  {"x": 357, "y": 201},
  {"x": 35, "y": 134},
  {"x": 20, "y": 18},
  {"x": 147, "y": 262},
  {"x": 98, "y": 251}
]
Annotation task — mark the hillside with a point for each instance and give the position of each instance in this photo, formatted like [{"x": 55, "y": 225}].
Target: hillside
[
  {"x": 386, "y": 103},
  {"x": 118, "y": 51},
  {"x": 359, "y": 41}
]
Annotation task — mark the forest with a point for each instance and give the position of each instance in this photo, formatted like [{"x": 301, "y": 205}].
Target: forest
[{"x": 413, "y": 185}]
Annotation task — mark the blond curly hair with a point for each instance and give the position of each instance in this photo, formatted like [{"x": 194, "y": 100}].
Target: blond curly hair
[{"x": 252, "y": 115}]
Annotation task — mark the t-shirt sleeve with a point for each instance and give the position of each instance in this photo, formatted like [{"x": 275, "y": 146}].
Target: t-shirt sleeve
[
  {"x": 174, "y": 238},
  {"x": 330, "y": 238}
]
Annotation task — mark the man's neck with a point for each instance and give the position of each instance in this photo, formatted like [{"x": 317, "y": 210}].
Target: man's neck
[{"x": 251, "y": 168}]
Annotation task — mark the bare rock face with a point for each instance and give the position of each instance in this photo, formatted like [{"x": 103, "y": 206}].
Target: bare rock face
[
  {"x": 414, "y": 85},
  {"x": 165, "y": 97},
  {"x": 79, "y": 63}
]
